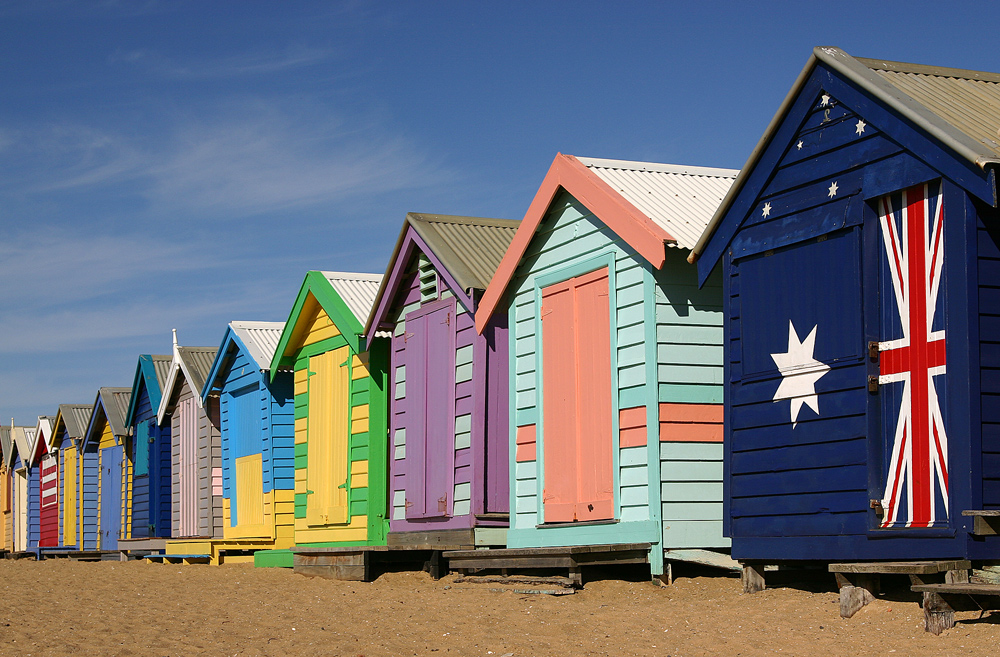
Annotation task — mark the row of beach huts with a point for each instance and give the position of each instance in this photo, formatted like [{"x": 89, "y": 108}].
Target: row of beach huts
[{"x": 797, "y": 364}]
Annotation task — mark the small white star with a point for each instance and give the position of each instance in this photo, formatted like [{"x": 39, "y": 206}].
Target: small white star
[
  {"x": 799, "y": 145},
  {"x": 825, "y": 100},
  {"x": 860, "y": 130},
  {"x": 766, "y": 210},
  {"x": 833, "y": 189},
  {"x": 799, "y": 373}
]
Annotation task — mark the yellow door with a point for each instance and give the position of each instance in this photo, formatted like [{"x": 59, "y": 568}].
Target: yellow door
[
  {"x": 69, "y": 496},
  {"x": 327, "y": 439}
]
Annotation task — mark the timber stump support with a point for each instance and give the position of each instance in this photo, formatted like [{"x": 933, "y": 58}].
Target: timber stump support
[
  {"x": 752, "y": 577},
  {"x": 941, "y": 601},
  {"x": 859, "y": 582}
]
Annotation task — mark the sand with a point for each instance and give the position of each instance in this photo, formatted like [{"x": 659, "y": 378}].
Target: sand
[{"x": 111, "y": 608}]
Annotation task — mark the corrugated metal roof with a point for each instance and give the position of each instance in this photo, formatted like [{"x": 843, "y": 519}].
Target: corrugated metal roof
[
  {"x": 115, "y": 402},
  {"x": 968, "y": 101},
  {"x": 261, "y": 339},
  {"x": 679, "y": 199},
  {"x": 5, "y": 444},
  {"x": 22, "y": 437},
  {"x": 161, "y": 365},
  {"x": 470, "y": 247},
  {"x": 357, "y": 290},
  {"x": 960, "y": 108},
  {"x": 197, "y": 363},
  {"x": 76, "y": 417}
]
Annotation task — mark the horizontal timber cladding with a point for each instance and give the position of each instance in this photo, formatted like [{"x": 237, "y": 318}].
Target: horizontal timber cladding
[
  {"x": 837, "y": 262},
  {"x": 988, "y": 265},
  {"x": 344, "y": 470},
  {"x": 440, "y": 422},
  {"x": 196, "y": 467},
  {"x": 666, "y": 389}
]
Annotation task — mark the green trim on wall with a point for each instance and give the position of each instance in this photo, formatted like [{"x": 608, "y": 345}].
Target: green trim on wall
[{"x": 315, "y": 283}]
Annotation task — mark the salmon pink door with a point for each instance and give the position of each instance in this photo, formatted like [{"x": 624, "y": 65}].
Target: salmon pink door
[{"x": 577, "y": 411}]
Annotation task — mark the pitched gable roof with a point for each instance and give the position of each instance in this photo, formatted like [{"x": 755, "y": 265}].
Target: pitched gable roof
[
  {"x": 650, "y": 206},
  {"x": 466, "y": 250},
  {"x": 194, "y": 364},
  {"x": 75, "y": 417},
  {"x": 6, "y": 445},
  {"x": 112, "y": 405},
  {"x": 43, "y": 434},
  {"x": 258, "y": 340},
  {"x": 151, "y": 371},
  {"x": 958, "y": 108},
  {"x": 346, "y": 297}
]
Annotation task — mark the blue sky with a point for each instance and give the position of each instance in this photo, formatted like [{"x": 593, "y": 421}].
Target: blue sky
[{"x": 183, "y": 164}]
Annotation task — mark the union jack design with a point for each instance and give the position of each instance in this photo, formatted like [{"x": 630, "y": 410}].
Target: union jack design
[{"x": 916, "y": 490}]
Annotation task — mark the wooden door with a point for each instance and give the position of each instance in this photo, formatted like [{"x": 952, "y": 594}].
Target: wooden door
[
  {"x": 111, "y": 496},
  {"x": 70, "y": 509},
  {"x": 328, "y": 436},
  {"x": 188, "y": 468},
  {"x": 21, "y": 510},
  {"x": 577, "y": 410},
  {"x": 243, "y": 424},
  {"x": 49, "y": 502},
  {"x": 430, "y": 372},
  {"x": 912, "y": 385}
]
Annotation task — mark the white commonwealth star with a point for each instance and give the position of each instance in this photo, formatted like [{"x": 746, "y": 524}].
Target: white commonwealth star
[
  {"x": 799, "y": 372},
  {"x": 799, "y": 145},
  {"x": 766, "y": 210},
  {"x": 860, "y": 128},
  {"x": 833, "y": 189}
]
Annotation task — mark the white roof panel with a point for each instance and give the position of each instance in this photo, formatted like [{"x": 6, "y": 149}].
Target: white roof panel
[
  {"x": 357, "y": 290},
  {"x": 679, "y": 199},
  {"x": 260, "y": 339}
]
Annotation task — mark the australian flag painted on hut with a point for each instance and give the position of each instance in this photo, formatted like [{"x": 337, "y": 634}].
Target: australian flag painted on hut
[{"x": 859, "y": 250}]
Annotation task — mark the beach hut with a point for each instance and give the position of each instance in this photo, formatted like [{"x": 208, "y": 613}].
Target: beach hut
[
  {"x": 68, "y": 430},
  {"x": 6, "y": 492},
  {"x": 43, "y": 488},
  {"x": 149, "y": 448},
  {"x": 257, "y": 434},
  {"x": 20, "y": 466},
  {"x": 196, "y": 453},
  {"x": 615, "y": 363},
  {"x": 448, "y": 460},
  {"x": 860, "y": 253},
  {"x": 340, "y": 411},
  {"x": 107, "y": 472}
]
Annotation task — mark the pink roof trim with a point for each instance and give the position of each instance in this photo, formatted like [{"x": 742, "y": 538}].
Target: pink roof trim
[{"x": 568, "y": 173}]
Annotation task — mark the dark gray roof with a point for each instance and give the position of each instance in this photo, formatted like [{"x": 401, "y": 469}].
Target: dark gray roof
[
  {"x": 76, "y": 417},
  {"x": 6, "y": 444},
  {"x": 471, "y": 248},
  {"x": 197, "y": 363},
  {"x": 115, "y": 402},
  {"x": 959, "y": 108},
  {"x": 161, "y": 365}
]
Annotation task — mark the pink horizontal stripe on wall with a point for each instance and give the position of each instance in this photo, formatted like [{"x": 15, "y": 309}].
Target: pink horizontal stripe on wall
[
  {"x": 525, "y": 444},
  {"x": 698, "y": 423},
  {"x": 632, "y": 427}
]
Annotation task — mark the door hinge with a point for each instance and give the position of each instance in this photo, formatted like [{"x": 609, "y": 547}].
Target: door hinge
[
  {"x": 877, "y": 505},
  {"x": 873, "y": 349},
  {"x": 872, "y": 383}
]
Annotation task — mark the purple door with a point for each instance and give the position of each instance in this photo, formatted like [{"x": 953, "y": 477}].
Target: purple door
[{"x": 430, "y": 449}]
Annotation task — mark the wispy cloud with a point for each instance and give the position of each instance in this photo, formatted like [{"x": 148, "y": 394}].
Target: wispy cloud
[
  {"x": 239, "y": 65},
  {"x": 240, "y": 158}
]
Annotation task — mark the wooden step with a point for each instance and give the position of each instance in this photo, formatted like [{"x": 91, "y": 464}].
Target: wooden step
[
  {"x": 986, "y": 522},
  {"x": 941, "y": 601}
]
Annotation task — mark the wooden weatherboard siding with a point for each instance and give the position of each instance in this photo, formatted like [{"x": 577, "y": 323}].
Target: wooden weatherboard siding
[
  {"x": 149, "y": 445},
  {"x": 106, "y": 473},
  {"x": 646, "y": 344},
  {"x": 257, "y": 433},
  {"x": 195, "y": 447},
  {"x": 448, "y": 445},
  {"x": 340, "y": 434},
  {"x": 805, "y": 254}
]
